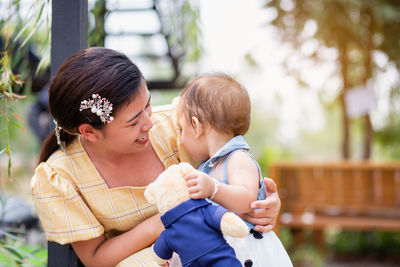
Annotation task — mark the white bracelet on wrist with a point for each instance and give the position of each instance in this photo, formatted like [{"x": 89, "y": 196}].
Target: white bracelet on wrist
[{"x": 216, "y": 183}]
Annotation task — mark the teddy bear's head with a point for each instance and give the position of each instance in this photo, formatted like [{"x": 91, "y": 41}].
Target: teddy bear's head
[{"x": 170, "y": 188}]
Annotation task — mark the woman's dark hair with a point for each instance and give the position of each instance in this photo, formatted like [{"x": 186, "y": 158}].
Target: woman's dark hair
[{"x": 94, "y": 70}]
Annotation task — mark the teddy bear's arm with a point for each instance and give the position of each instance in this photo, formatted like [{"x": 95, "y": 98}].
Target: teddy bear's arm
[
  {"x": 157, "y": 259},
  {"x": 233, "y": 225},
  {"x": 161, "y": 248},
  {"x": 225, "y": 221}
]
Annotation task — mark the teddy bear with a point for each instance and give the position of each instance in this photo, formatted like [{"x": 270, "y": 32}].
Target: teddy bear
[{"x": 194, "y": 228}]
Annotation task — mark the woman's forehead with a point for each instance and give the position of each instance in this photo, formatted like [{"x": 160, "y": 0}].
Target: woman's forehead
[{"x": 136, "y": 104}]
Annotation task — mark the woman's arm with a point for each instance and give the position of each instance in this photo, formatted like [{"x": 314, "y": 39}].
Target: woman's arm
[
  {"x": 264, "y": 212},
  {"x": 109, "y": 252},
  {"x": 236, "y": 196}
]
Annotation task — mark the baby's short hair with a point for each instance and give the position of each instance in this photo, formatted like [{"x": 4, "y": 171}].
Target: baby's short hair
[{"x": 220, "y": 101}]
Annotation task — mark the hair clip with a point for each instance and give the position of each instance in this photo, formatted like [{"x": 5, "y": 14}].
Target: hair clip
[
  {"x": 60, "y": 143},
  {"x": 100, "y": 106}
]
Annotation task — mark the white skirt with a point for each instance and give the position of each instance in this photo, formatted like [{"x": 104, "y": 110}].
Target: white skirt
[
  {"x": 259, "y": 250},
  {"x": 263, "y": 250}
]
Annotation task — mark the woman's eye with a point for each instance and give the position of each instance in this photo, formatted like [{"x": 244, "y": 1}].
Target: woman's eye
[{"x": 134, "y": 124}]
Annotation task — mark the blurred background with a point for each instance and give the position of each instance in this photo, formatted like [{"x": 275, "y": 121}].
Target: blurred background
[{"x": 323, "y": 77}]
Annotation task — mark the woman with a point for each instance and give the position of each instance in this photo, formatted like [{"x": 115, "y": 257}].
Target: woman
[{"x": 108, "y": 145}]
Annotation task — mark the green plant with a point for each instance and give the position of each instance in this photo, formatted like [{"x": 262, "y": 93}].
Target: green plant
[
  {"x": 378, "y": 245},
  {"x": 13, "y": 251},
  {"x": 355, "y": 30},
  {"x": 15, "y": 35},
  {"x": 11, "y": 51},
  {"x": 307, "y": 255}
]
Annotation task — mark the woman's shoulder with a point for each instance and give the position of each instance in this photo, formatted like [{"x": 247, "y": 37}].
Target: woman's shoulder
[
  {"x": 48, "y": 178},
  {"x": 66, "y": 159},
  {"x": 165, "y": 124},
  {"x": 63, "y": 164}
]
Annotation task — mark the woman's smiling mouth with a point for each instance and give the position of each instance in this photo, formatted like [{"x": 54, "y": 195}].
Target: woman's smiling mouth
[{"x": 143, "y": 140}]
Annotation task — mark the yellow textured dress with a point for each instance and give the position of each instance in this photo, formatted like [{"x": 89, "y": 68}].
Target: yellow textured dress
[{"x": 74, "y": 203}]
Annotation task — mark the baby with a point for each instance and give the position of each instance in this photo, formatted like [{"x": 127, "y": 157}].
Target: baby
[{"x": 214, "y": 114}]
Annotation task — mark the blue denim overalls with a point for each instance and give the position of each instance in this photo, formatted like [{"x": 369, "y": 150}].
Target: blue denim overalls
[{"x": 237, "y": 143}]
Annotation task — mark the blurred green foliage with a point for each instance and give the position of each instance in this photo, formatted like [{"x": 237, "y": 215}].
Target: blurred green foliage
[
  {"x": 388, "y": 137},
  {"x": 380, "y": 245},
  {"x": 356, "y": 29},
  {"x": 13, "y": 251},
  {"x": 97, "y": 32},
  {"x": 17, "y": 69}
]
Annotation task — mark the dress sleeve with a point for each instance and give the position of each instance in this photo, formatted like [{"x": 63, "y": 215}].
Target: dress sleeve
[{"x": 64, "y": 215}]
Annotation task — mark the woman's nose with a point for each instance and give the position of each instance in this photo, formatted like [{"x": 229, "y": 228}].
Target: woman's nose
[{"x": 148, "y": 123}]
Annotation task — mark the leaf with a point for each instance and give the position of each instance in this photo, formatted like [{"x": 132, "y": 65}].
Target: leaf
[
  {"x": 40, "y": 13},
  {"x": 25, "y": 254},
  {"x": 35, "y": 26},
  {"x": 30, "y": 35},
  {"x": 9, "y": 167},
  {"x": 6, "y": 256},
  {"x": 16, "y": 115},
  {"x": 15, "y": 95},
  {"x": 22, "y": 30},
  {"x": 8, "y": 149},
  {"x": 15, "y": 230},
  {"x": 17, "y": 125},
  {"x": 9, "y": 235},
  {"x": 2, "y": 151},
  {"x": 43, "y": 63},
  {"x": 14, "y": 252}
]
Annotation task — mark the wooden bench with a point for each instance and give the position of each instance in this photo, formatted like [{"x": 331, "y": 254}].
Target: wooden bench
[{"x": 361, "y": 196}]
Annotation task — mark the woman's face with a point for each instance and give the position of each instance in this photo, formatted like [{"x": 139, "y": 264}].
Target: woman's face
[{"x": 129, "y": 131}]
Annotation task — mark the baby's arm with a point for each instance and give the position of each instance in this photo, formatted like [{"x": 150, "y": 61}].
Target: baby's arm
[
  {"x": 243, "y": 178},
  {"x": 265, "y": 211}
]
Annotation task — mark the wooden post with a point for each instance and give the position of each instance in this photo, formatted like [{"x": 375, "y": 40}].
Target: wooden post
[
  {"x": 69, "y": 30},
  {"x": 68, "y": 35}
]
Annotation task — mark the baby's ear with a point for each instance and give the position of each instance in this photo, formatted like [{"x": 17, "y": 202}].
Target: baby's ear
[{"x": 149, "y": 193}]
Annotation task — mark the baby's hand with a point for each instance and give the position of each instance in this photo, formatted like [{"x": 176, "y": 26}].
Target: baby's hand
[{"x": 200, "y": 184}]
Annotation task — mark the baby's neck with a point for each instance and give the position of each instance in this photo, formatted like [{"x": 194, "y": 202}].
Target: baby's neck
[{"x": 216, "y": 139}]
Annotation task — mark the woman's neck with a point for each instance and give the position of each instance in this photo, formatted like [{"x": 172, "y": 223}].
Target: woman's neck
[
  {"x": 101, "y": 154},
  {"x": 134, "y": 169},
  {"x": 216, "y": 140}
]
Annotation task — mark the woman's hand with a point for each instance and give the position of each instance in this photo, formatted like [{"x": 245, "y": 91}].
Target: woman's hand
[
  {"x": 266, "y": 211},
  {"x": 200, "y": 184}
]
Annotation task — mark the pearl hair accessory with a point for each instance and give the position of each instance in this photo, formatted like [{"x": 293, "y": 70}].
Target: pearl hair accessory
[{"x": 100, "y": 106}]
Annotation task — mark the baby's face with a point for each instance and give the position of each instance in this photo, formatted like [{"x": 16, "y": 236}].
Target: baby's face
[{"x": 191, "y": 141}]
